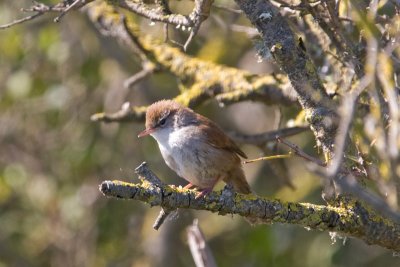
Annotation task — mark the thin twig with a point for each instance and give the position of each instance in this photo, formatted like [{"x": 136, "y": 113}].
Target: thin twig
[
  {"x": 201, "y": 253},
  {"x": 347, "y": 113},
  {"x": 262, "y": 138},
  {"x": 125, "y": 114},
  {"x": 162, "y": 216},
  {"x": 296, "y": 149},
  {"x": 19, "y": 21},
  {"x": 67, "y": 9},
  {"x": 191, "y": 36},
  {"x": 392, "y": 99},
  {"x": 199, "y": 14},
  {"x": 250, "y": 31},
  {"x": 386, "y": 77},
  {"x": 145, "y": 72},
  {"x": 268, "y": 158},
  {"x": 131, "y": 40},
  {"x": 166, "y": 32},
  {"x": 41, "y": 9},
  {"x": 229, "y": 9}
]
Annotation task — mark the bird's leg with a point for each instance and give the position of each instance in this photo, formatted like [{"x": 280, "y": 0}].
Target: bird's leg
[
  {"x": 188, "y": 186},
  {"x": 207, "y": 190},
  {"x": 204, "y": 192}
]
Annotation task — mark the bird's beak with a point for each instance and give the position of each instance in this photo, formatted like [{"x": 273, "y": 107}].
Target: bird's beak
[{"x": 146, "y": 132}]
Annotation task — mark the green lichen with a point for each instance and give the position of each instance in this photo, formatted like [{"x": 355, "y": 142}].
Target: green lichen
[
  {"x": 118, "y": 182},
  {"x": 310, "y": 67}
]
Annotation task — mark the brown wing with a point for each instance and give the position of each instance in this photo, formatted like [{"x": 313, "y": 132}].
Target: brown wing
[{"x": 217, "y": 138}]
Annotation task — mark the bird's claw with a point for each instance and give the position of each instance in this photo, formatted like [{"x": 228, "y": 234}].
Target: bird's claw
[{"x": 203, "y": 192}]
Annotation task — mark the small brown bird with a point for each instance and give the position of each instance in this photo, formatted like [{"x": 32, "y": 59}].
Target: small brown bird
[{"x": 195, "y": 147}]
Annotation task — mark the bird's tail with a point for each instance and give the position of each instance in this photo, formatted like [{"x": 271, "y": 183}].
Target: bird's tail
[{"x": 237, "y": 179}]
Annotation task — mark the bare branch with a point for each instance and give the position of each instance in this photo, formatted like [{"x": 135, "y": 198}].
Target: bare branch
[
  {"x": 347, "y": 112},
  {"x": 260, "y": 139},
  {"x": 67, "y": 9},
  {"x": 285, "y": 156},
  {"x": 126, "y": 113},
  {"x": 137, "y": 77},
  {"x": 198, "y": 246},
  {"x": 19, "y": 21},
  {"x": 162, "y": 216},
  {"x": 41, "y": 9},
  {"x": 296, "y": 149},
  {"x": 200, "y": 13},
  {"x": 153, "y": 14},
  {"x": 228, "y": 9}
]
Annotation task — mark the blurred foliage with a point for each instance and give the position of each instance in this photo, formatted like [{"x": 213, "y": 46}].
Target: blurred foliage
[{"x": 52, "y": 157}]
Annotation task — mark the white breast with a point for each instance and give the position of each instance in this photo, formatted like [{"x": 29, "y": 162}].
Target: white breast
[
  {"x": 173, "y": 145},
  {"x": 180, "y": 151}
]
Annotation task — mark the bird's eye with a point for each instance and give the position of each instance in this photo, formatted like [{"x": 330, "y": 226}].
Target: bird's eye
[{"x": 162, "y": 121}]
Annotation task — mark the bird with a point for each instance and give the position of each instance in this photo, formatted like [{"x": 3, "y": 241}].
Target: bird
[{"x": 195, "y": 147}]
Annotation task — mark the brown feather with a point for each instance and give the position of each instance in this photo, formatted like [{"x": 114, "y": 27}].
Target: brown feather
[
  {"x": 214, "y": 135},
  {"x": 157, "y": 110},
  {"x": 214, "y": 155},
  {"x": 217, "y": 138}
]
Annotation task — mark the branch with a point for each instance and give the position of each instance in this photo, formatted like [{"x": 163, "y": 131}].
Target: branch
[
  {"x": 19, "y": 21},
  {"x": 199, "y": 14},
  {"x": 162, "y": 13},
  {"x": 207, "y": 79},
  {"x": 351, "y": 218},
  {"x": 137, "y": 77},
  {"x": 201, "y": 253},
  {"x": 126, "y": 113},
  {"x": 347, "y": 113},
  {"x": 300, "y": 152},
  {"x": 291, "y": 57},
  {"x": 329, "y": 22},
  {"x": 68, "y": 8},
  {"x": 193, "y": 97},
  {"x": 41, "y": 9},
  {"x": 190, "y": 98},
  {"x": 154, "y": 14},
  {"x": 346, "y": 183},
  {"x": 260, "y": 139}
]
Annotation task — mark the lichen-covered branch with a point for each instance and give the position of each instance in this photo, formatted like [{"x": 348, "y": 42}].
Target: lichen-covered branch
[
  {"x": 289, "y": 53},
  {"x": 196, "y": 95},
  {"x": 349, "y": 217},
  {"x": 208, "y": 79}
]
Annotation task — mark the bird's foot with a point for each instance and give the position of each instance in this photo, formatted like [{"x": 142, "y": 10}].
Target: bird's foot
[
  {"x": 203, "y": 192},
  {"x": 188, "y": 186}
]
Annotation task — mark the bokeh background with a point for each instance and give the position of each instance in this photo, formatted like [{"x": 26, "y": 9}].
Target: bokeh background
[{"x": 53, "y": 77}]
